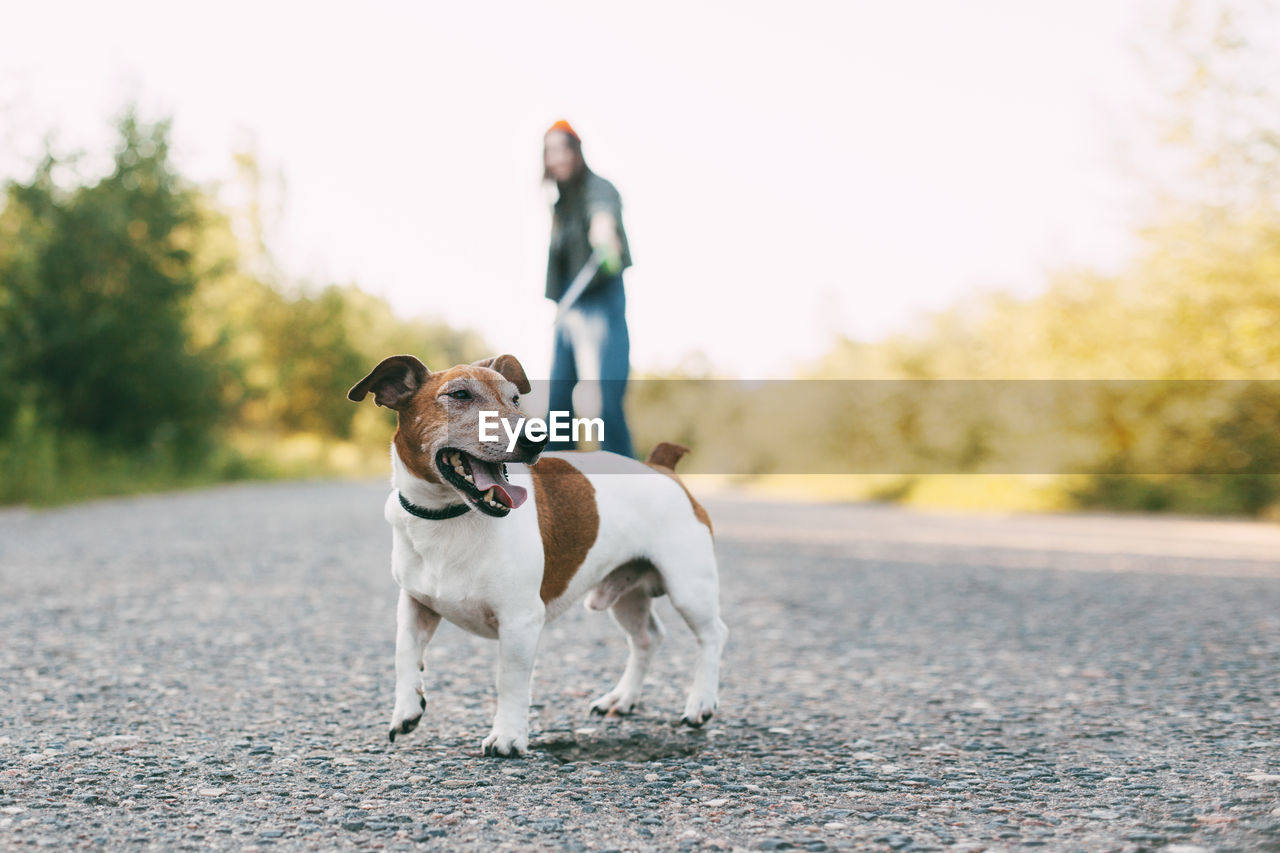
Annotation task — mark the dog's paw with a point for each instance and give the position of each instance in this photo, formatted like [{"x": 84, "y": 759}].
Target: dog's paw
[
  {"x": 403, "y": 722},
  {"x": 697, "y": 712},
  {"x": 614, "y": 704},
  {"x": 505, "y": 745}
]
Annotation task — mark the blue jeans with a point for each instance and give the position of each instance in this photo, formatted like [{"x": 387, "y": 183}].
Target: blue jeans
[{"x": 592, "y": 345}]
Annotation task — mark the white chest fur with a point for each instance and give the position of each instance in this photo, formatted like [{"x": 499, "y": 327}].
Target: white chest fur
[{"x": 467, "y": 569}]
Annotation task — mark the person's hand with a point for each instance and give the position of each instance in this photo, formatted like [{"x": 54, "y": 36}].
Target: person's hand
[
  {"x": 603, "y": 237},
  {"x": 610, "y": 259}
]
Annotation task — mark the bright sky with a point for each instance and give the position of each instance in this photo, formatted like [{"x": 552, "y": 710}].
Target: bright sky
[{"x": 789, "y": 172}]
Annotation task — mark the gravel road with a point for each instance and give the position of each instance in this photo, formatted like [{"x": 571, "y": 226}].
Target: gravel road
[{"x": 213, "y": 670}]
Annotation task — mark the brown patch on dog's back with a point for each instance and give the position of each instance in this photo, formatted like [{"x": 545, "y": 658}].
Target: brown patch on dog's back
[
  {"x": 568, "y": 520},
  {"x": 663, "y": 458}
]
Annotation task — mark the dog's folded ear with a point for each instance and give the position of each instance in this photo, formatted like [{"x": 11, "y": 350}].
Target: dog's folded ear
[
  {"x": 509, "y": 367},
  {"x": 392, "y": 382}
]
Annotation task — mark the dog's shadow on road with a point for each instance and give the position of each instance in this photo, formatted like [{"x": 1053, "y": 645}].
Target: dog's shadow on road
[{"x": 650, "y": 744}]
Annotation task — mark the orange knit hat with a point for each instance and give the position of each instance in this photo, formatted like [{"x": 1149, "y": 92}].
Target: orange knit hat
[{"x": 563, "y": 126}]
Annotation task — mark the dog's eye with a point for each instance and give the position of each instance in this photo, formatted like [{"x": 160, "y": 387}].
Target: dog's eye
[
  {"x": 515, "y": 401},
  {"x": 460, "y": 394}
]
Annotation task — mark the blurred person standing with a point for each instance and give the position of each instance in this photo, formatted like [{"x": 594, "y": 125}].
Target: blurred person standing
[{"x": 591, "y": 339}]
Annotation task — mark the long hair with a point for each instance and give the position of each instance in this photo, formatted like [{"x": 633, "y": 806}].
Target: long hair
[{"x": 575, "y": 145}]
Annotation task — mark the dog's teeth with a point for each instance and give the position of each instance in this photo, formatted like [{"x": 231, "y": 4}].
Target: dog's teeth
[
  {"x": 469, "y": 478},
  {"x": 458, "y": 469},
  {"x": 488, "y": 495}
]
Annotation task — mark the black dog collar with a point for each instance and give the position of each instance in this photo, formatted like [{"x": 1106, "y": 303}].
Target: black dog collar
[{"x": 432, "y": 514}]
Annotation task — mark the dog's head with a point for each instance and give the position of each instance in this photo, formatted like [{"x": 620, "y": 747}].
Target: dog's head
[{"x": 438, "y": 437}]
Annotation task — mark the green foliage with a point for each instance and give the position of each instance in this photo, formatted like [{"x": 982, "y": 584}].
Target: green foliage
[
  {"x": 1200, "y": 303},
  {"x": 142, "y": 336},
  {"x": 307, "y": 345},
  {"x": 42, "y": 466},
  {"x": 96, "y": 286}
]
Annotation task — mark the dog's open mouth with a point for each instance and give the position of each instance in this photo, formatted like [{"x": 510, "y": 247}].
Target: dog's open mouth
[{"x": 481, "y": 482}]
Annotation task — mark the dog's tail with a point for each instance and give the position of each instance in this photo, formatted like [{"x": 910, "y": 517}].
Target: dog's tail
[{"x": 666, "y": 455}]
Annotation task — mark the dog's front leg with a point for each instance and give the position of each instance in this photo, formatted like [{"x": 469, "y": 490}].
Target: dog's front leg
[
  {"x": 415, "y": 625},
  {"x": 517, "y": 645}
]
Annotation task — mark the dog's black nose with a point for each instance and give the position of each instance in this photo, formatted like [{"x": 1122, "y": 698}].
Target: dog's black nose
[{"x": 531, "y": 447}]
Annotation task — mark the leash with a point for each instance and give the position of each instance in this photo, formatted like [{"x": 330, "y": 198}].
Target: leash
[
  {"x": 432, "y": 514},
  {"x": 578, "y": 285}
]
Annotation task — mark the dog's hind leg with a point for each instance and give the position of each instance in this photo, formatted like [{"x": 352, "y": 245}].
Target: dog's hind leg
[
  {"x": 634, "y": 614},
  {"x": 690, "y": 578}
]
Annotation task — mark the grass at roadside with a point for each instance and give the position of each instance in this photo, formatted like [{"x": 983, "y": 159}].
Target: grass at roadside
[
  {"x": 41, "y": 469},
  {"x": 1013, "y": 493}
]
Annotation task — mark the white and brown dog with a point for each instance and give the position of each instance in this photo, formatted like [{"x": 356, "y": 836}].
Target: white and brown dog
[{"x": 501, "y": 557}]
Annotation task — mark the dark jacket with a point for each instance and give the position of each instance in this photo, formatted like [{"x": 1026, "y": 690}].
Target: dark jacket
[{"x": 580, "y": 198}]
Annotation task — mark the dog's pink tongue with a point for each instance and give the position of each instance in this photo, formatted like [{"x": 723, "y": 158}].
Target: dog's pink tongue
[{"x": 488, "y": 474}]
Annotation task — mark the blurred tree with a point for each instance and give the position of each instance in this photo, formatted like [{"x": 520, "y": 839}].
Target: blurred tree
[
  {"x": 1215, "y": 67},
  {"x": 25, "y": 223},
  {"x": 1200, "y": 301},
  {"x": 96, "y": 283},
  {"x": 140, "y": 315},
  {"x": 306, "y": 342},
  {"x": 288, "y": 354}
]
